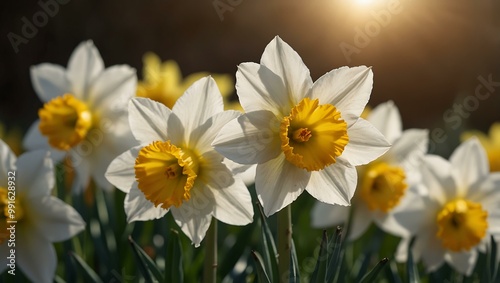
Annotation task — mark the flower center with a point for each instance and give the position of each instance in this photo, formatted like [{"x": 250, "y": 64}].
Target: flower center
[
  {"x": 313, "y": 135},
  {"x": 65, "y": 121},
  {"x": 382, "y": 186},
  {"x": 166, "y": 173},
  {"x": 10, "y": 210},
  {"x": 461, "y": 224}
]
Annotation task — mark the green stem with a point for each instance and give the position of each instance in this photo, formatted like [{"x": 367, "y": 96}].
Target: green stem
[
  {"x": 284, "y": 242},
  {"x": 210, "y": 268}
]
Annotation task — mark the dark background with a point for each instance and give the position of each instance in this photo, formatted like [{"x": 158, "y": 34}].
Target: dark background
[{"x": 426, "y": 58}]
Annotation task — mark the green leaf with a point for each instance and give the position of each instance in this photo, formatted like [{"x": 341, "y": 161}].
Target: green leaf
[
  {"x": 174, "y": 271},
  {"x": 334, "y": 251},
  {"x": 146, "y": 264},
  {"x": 372, "y": 275},
  {"x": 261, "y": 272},
  {"x": 269, "y": 248},
  {"x": 319, "y": 273},
  {"x": 89, "y": 274}
]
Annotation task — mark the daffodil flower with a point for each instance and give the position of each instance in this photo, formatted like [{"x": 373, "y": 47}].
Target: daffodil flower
[
  {"x": 303, "y": 135},
  {"x": 176, "y": 169},
  {"x": 163, "y": 82},
  {"x": 459, "y": 214},
  {"x": 491, "y": 144},
  {"x": 84, "y": 114},
  {"x": 31, "y": 219},
  {"x": 385, "y": 183}
]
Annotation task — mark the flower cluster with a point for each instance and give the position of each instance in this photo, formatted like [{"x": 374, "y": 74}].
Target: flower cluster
[{"x": 171, "y": 145}]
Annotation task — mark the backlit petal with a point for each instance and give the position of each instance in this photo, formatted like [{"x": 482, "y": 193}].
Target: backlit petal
[
  {"x": 279, "y": 183},
  {"x": 280, "y": 58},
  {"x": 251, "y": 138}
]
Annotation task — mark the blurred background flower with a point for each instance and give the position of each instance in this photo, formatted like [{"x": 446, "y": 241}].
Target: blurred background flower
[
  {"x": 163, "y": 82},
  {"x": 490, "y": 142},
  {"x": 428, "y": 55}
]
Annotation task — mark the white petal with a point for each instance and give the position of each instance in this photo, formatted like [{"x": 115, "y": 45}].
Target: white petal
[
  {"x": 279, "y": 183},
  {"x": 258, "y": 88},
  {"x": 348, "y": 89},
  {"x": 487, "y": 191},
  {"x": 361, "y": 220},
  {"x": 280, "y": 58},
  {"x": 7, "y": 161},
  {"x": 121, "y": 171},
  {"x": 81, "y": 165},
  {"x": 335, "y": 184},
  {"x": 138, "y": 208},
  {"x": 410, "y": 215},
  {"x": 103, "y": 147},
  {"x": 251, "y": 138},
  {"x": 49, "y": 81},
  {"x": 365, "y": 144},
  {"x": 148, "y": 120},
  {"x": 201, "y": 101},
  {"x": 409, "y": 148},
  {"x": 34, "y": 140},
  {"x": 494, "y": 221},
  {"x": 202, "y": 137},
  {"x": 436, "y": 176},
  {"x": 233, "y": 203},
  {"x": 84, "y": 65},
  {"x": 402, "y": 251},
  {"x": 36, "y": 257},
  {"x": 54, "y": 219},
  {"x": 245, "y": 172},
  {"x": 195, "y": 215},
  {"x": 387, "y": 223},
  {"x": 325, "y": 215},
  {"x": 470, "y": 163},
  {"x": 429, "y": 248},
  {"x": 463, "y": 262},
  {"x": 386, "y": 118},
  {"x": 113, "y": 88},
  {"x": 35, "y": 173}
]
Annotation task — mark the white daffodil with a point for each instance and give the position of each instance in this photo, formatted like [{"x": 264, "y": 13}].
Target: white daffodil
[
  {"x": 303, "y": 135},
  {"x": 85, "y": 113},
  {"x": 459, "y": 214},
  {"x": 175, "y": 168},
  {"x": 386, "y": 183},
  {"x": 32, "y": 219}
]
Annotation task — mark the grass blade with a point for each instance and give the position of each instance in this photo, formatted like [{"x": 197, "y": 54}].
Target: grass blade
[
  {"x": 334, "y": 260},
  {"x": 319, "y": 273},
  {"x": 294, "y": 265},
  {"x": 269, "y": 248},
  {"x": 261, "y": 272},
  {"x": 411, "y": 267},
  {"x": 89, "y": 273},
  {"x": 146, "y": 264},
  {"x": 372, "y": 275},
  {"x": 174, "y": 272}
]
